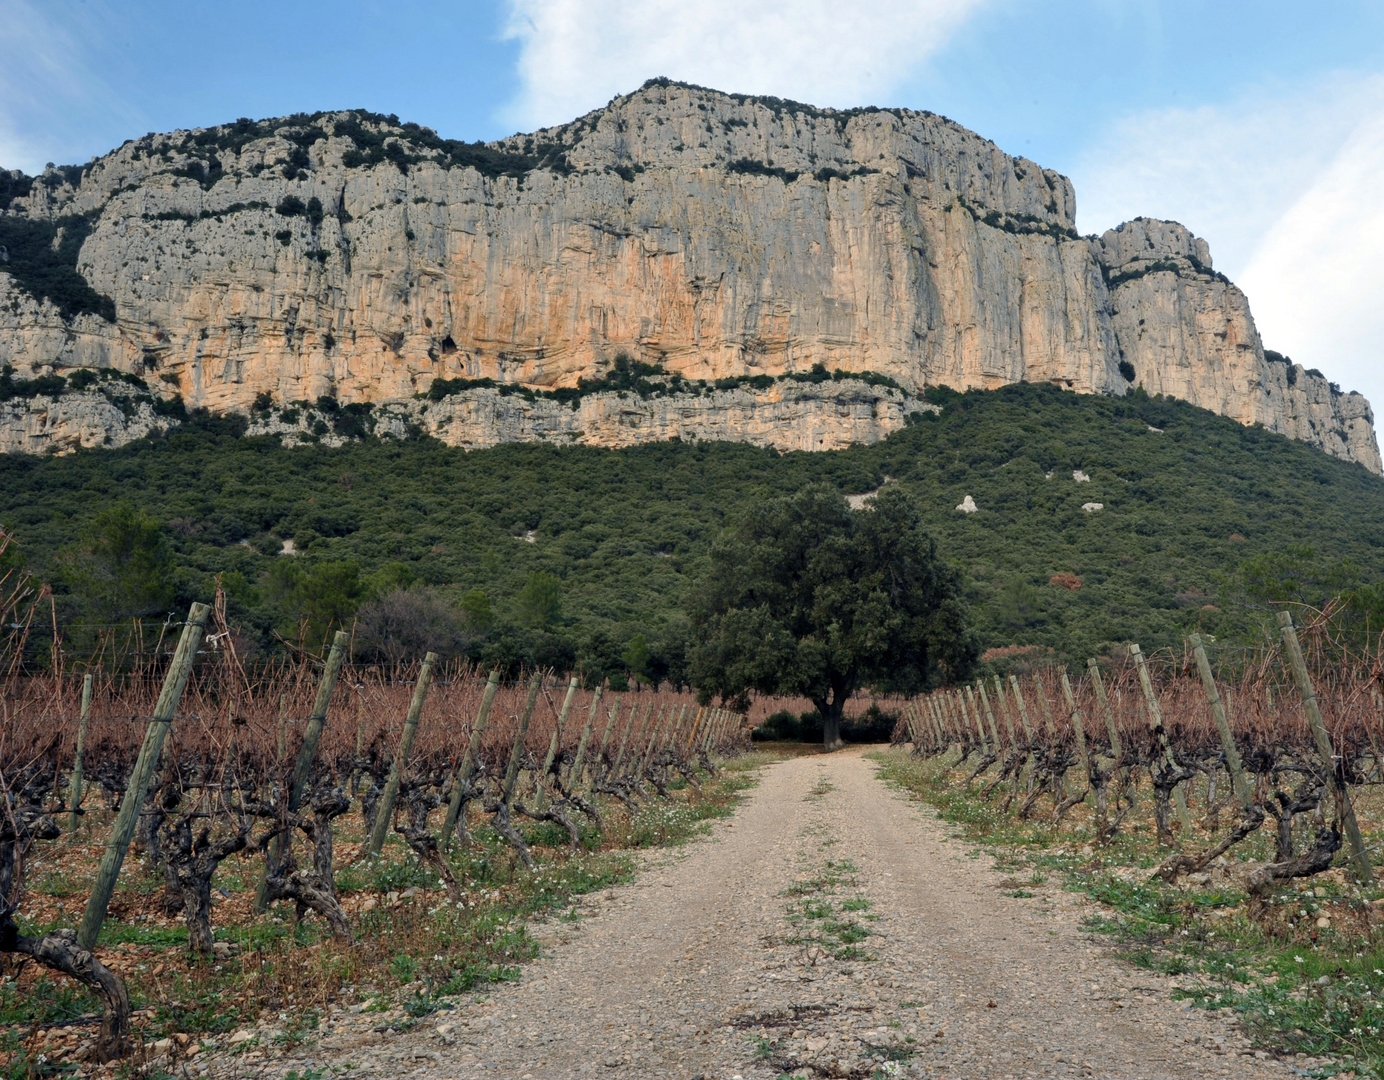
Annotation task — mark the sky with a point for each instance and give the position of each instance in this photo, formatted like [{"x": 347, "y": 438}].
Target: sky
[{"x": 1258, "y": 124}]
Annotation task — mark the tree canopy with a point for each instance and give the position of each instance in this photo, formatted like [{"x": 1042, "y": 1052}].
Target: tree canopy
[{"x": 805, "y": 596}]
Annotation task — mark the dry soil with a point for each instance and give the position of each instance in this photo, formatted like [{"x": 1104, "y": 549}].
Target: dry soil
[{"x": 745, "y": 955}]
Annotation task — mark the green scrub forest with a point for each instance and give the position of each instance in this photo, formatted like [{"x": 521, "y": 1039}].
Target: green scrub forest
[{"x": 574, "y": 554}]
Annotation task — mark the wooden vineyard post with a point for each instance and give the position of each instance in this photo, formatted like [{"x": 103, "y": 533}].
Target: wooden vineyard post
[
  {"x": 950, "y": 731},
  {"x": 74, "y": 791},
  {"x": 635, "y": 729},
  {"x": 990, "y": 716},
  {"x": 554, "y": 744},
  {"x": 1075, "y": 715},
  {"x": 713, "y": 729},
  {"x": 955, "y": 721},
  {"x": 312, "y": 734},
  {"x": 579, "y": 762},
  {"x": 1003, "y": 707},
  {"x": 306, "y": 753},
  {"x": 1359, "y": 858},
  {"x": 1099, "y": 686},
  {"x": 283, "y": 725},
  {"x": 653, "y": 736},
  {"x": 612, "y": 719},
  {"x": 915, "y": 725},
  {"x": 1061, "y": 778},
  {"x": 669, "y": 744},
  {"x": 1022, "y": 707},
  {"x": 174, "y": 682},
  {"x": 501, "y": 821},
  {"x": 1165, "y": 747},
  {"x": 385, "y": 811},
  {"x": 692, "y": 734},
  {"x": 461, "y": 779},
  {"x": 970, "y": 700},
  {"x": 921, "y": 718},
  {"x": 596, "y": 771},
  {"x": 516, "y": 751},
  {"x": 1233, "y": 763}
]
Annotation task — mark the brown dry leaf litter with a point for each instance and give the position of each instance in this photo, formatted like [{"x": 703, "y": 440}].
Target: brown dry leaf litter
[{"x": 744, "y": 957}]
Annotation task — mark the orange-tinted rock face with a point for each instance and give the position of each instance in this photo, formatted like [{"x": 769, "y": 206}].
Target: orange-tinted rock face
[{"x": 709, "y": 234}]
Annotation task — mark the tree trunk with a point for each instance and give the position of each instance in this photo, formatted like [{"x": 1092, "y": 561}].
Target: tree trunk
[
  {"x": 831, "y": 722},
  {"x": 197, "y": 901},
  {"x": 60, "y": 952}
]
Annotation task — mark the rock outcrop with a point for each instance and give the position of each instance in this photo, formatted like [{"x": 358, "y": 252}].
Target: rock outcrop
[
  {"x": 58, "y": 424},
  {"x": 786, "y": 416},
  {"x": 714, "y": 236}
]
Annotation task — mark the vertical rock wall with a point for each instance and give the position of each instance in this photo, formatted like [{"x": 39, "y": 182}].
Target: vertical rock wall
[{"x": 713, "y": 235}]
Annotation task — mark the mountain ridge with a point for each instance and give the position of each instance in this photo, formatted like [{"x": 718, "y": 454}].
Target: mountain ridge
[{"x": 708, "y": 236}]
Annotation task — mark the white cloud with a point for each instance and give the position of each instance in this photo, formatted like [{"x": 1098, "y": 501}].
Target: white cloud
[
  {"x": 1284, "y": 186},
  {"x": 1228, "y": 171},
  {"x": 578, "y": 54},
  {"x": 1316, "y": 281}
]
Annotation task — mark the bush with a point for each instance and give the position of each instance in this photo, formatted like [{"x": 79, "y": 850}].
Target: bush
[
  {"x": 44, "y": 385},
  {"x": 1127, "y": 370},
  {"x": 874, "y": 725},
  {"x": 82, "y": 379},
  {"x": 783, "y": 726},
  {"x": 403, "y": 624},
  {"x": 292, "y": 206},
  {"x": 750, "y": 167}
]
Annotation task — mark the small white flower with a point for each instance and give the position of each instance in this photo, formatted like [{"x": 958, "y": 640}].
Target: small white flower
[{"x": 1297, "y": 959}]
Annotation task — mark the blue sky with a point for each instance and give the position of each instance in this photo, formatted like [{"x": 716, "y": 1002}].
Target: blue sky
[{"x": 1258, "y": 125}]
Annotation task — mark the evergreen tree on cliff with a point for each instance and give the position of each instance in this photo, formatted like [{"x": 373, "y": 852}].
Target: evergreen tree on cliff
[{"x": 806, "y": 597}]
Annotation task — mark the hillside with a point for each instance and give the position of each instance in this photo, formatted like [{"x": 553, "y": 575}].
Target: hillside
[
  {"x": 266, "y": 266},
  {"x": 1183, "y": 507}
]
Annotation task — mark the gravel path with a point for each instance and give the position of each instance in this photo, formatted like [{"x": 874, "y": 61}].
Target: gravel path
[{"x": 747, "y": 956}]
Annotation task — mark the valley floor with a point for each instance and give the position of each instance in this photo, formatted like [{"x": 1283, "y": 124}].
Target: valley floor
[{"x": 830, "y": 928}]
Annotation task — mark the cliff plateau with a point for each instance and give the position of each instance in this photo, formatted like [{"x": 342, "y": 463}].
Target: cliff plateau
[{"x": 704, "y": 237}]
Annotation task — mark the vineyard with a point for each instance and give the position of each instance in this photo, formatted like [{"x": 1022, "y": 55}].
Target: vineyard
[
  {"x": 1274, "y": 746},
  {"x": 310, "y": 825},
  {"x": 1221, "y": 804},
  {"x": 192, "y": 840}
]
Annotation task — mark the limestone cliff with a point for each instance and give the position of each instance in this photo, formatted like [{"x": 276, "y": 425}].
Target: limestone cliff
[
  {"x": 1187, "y": 332},
  {"x": 348, "y": 256}
]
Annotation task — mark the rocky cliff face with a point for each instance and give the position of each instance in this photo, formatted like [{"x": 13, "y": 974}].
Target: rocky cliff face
[
  {"x": 58, "y": 424},
  {"x": 1187, "y": 332},
  {"x": 711, "y": 235}
]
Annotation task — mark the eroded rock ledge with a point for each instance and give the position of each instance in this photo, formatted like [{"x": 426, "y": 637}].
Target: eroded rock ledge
[{"x": 787, "y": 416}]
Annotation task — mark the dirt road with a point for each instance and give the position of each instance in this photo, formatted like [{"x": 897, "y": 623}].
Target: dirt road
[{"x": 829, "y": 929}]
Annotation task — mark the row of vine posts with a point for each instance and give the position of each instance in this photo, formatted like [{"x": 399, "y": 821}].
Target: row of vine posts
[
  {"x": 191, "y": 810},
  {"x": 1034, "y": 761}
]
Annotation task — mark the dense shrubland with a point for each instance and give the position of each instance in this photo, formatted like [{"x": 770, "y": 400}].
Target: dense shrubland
[{"x": 565, "y": 556}]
